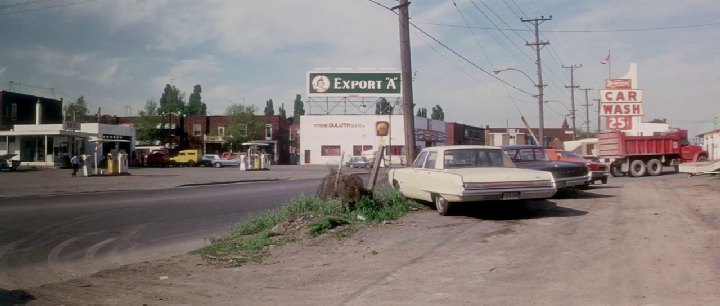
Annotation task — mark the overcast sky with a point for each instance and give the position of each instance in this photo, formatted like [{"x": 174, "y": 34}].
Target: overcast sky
[{"x": 120, "y": 53}]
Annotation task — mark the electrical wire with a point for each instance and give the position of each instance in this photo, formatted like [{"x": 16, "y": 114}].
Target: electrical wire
[
  {"x": 584, "y": 31},
  {"x": 49, "y": 7}
]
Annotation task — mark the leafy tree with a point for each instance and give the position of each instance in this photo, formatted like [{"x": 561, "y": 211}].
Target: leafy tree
[
  {"x": 437, "y": 113},
  {"x": 242, "y": 125},
  {"x": 281, "y": 111},
  {"x": 195, "y": 106},
  {"x": 76, "y": 110},
  {"x": 172, "y": 101},
  {"x": 147, "y": 123},
  {"x": 269, "y": 108},
  {"x": 422, "y": 112},
  {"x": 298, "y": 109},
  {"x": 383, "y": 107}
]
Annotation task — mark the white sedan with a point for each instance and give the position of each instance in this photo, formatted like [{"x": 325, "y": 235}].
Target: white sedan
[{"x": 469, "y": 173}]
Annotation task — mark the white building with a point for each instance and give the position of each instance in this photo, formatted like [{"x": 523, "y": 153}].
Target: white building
[
  {"x": 50, "y": 144},
  {"x": 326, "y": 139},
  {"x": 710, "y": 139}
]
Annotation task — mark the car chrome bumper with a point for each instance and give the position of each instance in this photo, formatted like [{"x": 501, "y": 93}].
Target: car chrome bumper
[
  {"x": 599, "y": 175},
  {"x": 572, "y": 181},
  {"x": 502, "y": 194}
]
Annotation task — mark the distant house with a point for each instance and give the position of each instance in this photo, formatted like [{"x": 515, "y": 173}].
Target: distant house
[{"x": 710, "y": 138}]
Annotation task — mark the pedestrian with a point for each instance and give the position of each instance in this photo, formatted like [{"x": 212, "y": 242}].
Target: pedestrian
[{"x": 75, "y": 161}]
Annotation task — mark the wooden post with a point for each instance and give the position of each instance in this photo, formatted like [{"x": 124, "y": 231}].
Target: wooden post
[{"x": 379, "y": 156}]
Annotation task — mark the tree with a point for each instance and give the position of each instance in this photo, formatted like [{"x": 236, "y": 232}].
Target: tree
[
  {"x": 281, "y": 111},
  {"x": 383, "y": 107},
  {"x": 172, "y": 101},
  {"x": 298, "y": 109},
  {"x": 76, "y": 110},
  {"x": 269, "y": 108},
  {"x": 422, "y": 112},
  {"x": 437, "y": 113},
  {"x": 242, "y": 125},
  {"x": 148, "y": 122},
  {"x": 195, "y": 106}
]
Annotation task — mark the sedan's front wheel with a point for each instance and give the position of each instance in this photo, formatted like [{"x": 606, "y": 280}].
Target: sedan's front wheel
[
  {"x": 441, "y": 205},
  {"x": 217, "y": 165}
]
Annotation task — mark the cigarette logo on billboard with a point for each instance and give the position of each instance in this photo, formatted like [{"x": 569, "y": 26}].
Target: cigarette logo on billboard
[{"x": 618, "y": 84}]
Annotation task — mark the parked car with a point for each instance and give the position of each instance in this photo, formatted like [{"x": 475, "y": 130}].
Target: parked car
[
  {"x": 188, "y": 158},
  {"x": 6, "y": 162},
  {"x": 358, "y": 162},
  {"x": 157, "y": 159},
  {"x": 598, "y": 171},
  {"x": 534, "y": 157},
  {"x": 214, "y": 160},
  {"x": 448, "y": 174}
]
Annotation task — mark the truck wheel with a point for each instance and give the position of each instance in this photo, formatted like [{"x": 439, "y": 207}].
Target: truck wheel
[
  {"x": 191, "y": 163},
  {"x": 654, "y": 167},
  {"x": 441, "y": 205},
  {"x": 637, "y": 168},
  {"x": 615, "y": 171}
]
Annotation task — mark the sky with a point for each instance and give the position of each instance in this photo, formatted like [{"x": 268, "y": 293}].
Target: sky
[{"x": 120, "y": 53}]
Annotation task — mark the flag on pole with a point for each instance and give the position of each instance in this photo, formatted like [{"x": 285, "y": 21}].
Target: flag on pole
[{"x": 606, "y": 60}]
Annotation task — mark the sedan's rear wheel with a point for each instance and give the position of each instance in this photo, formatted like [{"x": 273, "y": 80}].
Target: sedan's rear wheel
[
  {"x": 216, "y": 165},
  {"x": 441, "y": 205}
]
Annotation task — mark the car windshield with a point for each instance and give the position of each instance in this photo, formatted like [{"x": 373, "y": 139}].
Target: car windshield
[
  {"x": 473, "y": 158},
  {"x": 526, "y": 154},
  {"x": 567, "y": 154}
]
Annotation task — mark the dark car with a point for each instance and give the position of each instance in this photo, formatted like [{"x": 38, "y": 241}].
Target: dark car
[
  {"x": 157, "y": 159},
  {"x": 358, "y": 162},
  {"x": 535, "y": 157}
]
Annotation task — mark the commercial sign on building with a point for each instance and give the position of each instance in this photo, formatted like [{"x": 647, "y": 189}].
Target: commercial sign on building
[
  {"x": 619, "y": 102},
  {"x": 354, "y": 84}
]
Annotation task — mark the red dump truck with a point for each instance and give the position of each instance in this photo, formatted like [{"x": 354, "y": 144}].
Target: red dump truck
[{"x": 646, "y": 155}]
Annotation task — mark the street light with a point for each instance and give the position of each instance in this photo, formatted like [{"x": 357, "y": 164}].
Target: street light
[{"x": 541, "y": 127}]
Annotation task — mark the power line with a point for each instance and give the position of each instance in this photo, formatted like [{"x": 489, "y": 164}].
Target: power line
[
  {"x": 584, "y": 31},
  {"x": 49, "y": 7},
  {"x": 21, "y": 4}
]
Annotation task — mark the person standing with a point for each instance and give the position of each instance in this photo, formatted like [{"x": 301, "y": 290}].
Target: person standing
[{"x": 75, "y": 162}]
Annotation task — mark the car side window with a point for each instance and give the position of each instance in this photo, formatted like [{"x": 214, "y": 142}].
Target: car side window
[
  {"x": 418, "y": 163},
  {"x": 430, "y": 162}
]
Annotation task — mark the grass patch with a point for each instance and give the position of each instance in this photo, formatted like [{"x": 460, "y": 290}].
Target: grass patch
[{"x": 303, "y": 217}]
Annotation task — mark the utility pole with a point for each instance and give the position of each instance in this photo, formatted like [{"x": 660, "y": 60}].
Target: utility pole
[
  {"x": 572, "y": 95},
  {"x": 537, "y": 45},
  {"x": 598, "y": 111},
  {"x": 406, "y": 76},
  {"x": 587, "y": 109}
]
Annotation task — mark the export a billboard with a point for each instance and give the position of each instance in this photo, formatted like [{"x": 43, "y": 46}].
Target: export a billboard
[{"x": 354, "y": 84}]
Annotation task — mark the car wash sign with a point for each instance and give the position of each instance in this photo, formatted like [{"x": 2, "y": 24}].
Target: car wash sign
[
  {"x": 621, "y": 100},
  {"x": 354, "y": 84}
]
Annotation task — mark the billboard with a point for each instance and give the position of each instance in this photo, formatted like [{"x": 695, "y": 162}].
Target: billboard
[{"x": 354, "y": 84}]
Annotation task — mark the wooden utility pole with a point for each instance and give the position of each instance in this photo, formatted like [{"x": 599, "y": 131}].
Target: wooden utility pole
[
  {"x": 537, "y": 45},
  {"x": 598, "y": 111},
  {"x": 572, "y": 95},
  {"x": 406, "y": 75},
  {"x": 587, "y": 109}
]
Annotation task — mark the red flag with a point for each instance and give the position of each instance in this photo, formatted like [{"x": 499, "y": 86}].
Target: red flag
[{"x": 606, "y": 60}]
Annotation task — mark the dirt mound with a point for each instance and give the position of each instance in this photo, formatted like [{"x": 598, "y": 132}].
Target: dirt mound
[{"x": 337, "y": 185}]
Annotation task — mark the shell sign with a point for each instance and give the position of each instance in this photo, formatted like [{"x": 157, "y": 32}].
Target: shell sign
[{"x": 382, "y": 128}]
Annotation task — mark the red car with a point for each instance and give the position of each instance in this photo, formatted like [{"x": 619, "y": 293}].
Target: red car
[
  {"x": 599, "y": 170},
  {"x": 157, "y": 159}
]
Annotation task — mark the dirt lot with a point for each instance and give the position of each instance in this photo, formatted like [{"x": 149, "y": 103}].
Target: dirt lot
[{"x": 634, "y": 241}]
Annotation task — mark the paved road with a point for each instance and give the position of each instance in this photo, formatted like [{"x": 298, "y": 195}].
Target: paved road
[
  {"x": 636, "y": 241},
  {"x": 44, "y": 239}
]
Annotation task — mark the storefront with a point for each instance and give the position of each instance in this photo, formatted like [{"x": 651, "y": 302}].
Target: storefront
[
  {"x": 328, "y": 139},
  {"x": 49, "y": 145}
]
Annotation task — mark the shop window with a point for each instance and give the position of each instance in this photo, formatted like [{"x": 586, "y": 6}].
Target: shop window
[
  {"x": 221, "y": 131},
  {"x": 13, "y": 111},
  {"x": 268, "y": 132},
  {"x": 330, "y": 151},
  {"x": 197, "y": 130},
  {"x": 357, "y": 150}
]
